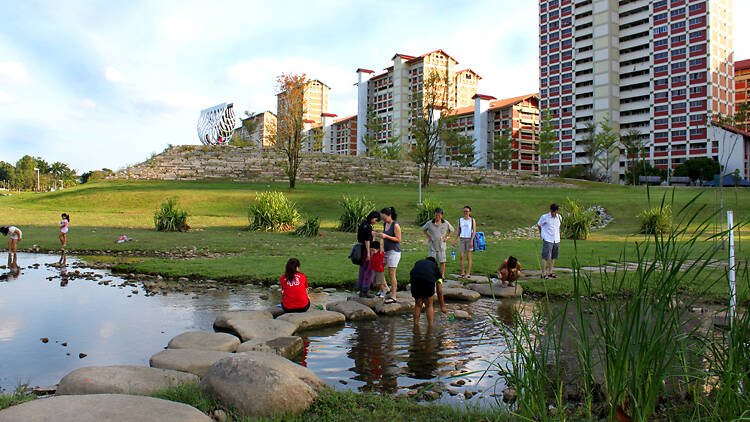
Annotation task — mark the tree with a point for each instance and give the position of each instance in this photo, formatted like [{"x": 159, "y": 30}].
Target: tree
[
  {"x": 460, "y": 150},
  {"x": 589, "y": 146},
  {"x": 697, "y": 169},
  {"x": 633, "y": 145},
  {"x": 393, "y": 149},
  {"x": 25, "y": 177},
  {"x": 432, "y": 117},
  {"x": 316, "y": 138},
  {"x": 644, "y": 168},
  {"x": 390, "y": 149},
  {"x": 605, "y": 144},
  {"x": 6, "y": 171},
  {"x": 501, "y": 151},
  {"x": 547, "y": 139},
  {"x": 288, "y": 137}
]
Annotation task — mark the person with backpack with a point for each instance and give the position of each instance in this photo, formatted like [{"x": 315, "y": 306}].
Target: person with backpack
[
  {"x": 364, "y": 238},
  {"x": 467, "y": 231}
]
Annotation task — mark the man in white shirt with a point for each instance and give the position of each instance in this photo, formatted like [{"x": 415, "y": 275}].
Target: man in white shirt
[{"x": 549, "y": 230}]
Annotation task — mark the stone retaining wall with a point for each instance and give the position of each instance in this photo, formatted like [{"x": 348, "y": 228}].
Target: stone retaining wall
[{"x": 251, "y": 164}]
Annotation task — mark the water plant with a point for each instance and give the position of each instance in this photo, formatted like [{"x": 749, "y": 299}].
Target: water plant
[
  {"x": 426, "y": 210},
  {"x": 272, "y": 211},
  {"x": 170, "y": 218},
  {"x": 656, "y": 220},
  {"x": 310, "y": 228},
  {"x": 355, "y": 210}
]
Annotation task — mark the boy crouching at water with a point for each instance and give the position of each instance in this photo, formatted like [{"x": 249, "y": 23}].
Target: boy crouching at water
[{"x": 378, "y": 271}]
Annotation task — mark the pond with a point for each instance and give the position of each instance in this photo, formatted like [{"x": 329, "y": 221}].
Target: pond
[{"x": 49, "y": 315}]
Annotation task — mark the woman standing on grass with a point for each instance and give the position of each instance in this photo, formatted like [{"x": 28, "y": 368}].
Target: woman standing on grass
[
  {"x": 467, "y": 230},
  {"x": 15, "y": 237},
  {"x": 391, "y": 236},
  {"x": 364, "y": 238}
]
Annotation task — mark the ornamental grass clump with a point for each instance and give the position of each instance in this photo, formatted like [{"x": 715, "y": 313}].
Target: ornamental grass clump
[
  {"x": 426, "y": 211},
  {"x": 656, "y": 220},
  {"x": 310, "y": 228},
  {"x": 169, "y": 218},
  {"x": 272, "y": 211},
  {"x": 355, "y": 211},
  {"x": 577, "y": 220}
]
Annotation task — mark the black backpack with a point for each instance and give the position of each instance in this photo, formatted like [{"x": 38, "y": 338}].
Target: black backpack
[{"x": 356, "y": 254}]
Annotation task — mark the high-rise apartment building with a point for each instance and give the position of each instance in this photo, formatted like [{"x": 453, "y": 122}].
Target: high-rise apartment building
[
  {"x": 742, "y": 90},
  {"x": 661, "y": 67},
  {"x": 315, "y": 98}
]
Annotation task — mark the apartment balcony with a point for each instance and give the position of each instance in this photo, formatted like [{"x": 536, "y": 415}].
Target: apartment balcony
[
  {"x": 634, "y": 42},
  {"x": 636, "y": 118},
  {"x": 583, "y": 9},
  {"x": 625, "y": 57},
  {"x": 634, "y": 5},
  {"x": 638, "y": 92},
  {"x": 584, "y": 20},
  {"x": 633, "y": 30},
  {"x": 584, "y": 101},
  {"x": 585, "y": 43},
  {"x": 635, "y": 105},
  {"x": 644, "y": 14},
  {"x": 636, "y": 79}
]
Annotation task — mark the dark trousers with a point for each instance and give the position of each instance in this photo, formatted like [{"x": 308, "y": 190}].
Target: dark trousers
[
  {"x": 365, "y": 276},
  {"x": 302, "y": 309}
]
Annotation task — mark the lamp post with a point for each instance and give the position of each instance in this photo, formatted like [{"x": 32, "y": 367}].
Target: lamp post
[
  {"x": 61, "y": 183},
  {"x": 37, "y": 178},
  {"x": 420, "y": 184}
]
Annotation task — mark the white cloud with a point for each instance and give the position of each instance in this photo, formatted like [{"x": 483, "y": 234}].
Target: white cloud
[
  {"x": 180, "y": 27},
  {"x": 112, "y": 74},
  {"x": 88, "y": 103},
  {"x": 14, "y": 72},
  {"x": 5, "y": 98}
]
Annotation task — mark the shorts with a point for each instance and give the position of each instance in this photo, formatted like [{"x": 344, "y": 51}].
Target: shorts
[
  {"x": 65, "y": 230},
  {"x": 466, "y": 244},
  {"x": 421, "y": 289},
  {"x": 438, "y": 254},
  {"x": 379, "y": 278},
  {"x": 392, "y": 258},
  {"x": 550, "y": 250}
]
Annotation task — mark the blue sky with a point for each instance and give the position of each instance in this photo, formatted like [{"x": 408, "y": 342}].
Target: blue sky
[{"x": 104, "y": 84}]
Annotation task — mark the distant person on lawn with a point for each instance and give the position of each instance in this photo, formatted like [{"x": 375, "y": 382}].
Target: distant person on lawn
[
  {"x": 438, "y": 231},
  {"x": 549, "y": 230},
  {"x": 64, "y": 223},
  {"x": 15, "y": 237},
  {"x": 509, "y": 271},
  {"x": 294, "y": 288},
  {"x": 423, "y": 277},
  {"x": 391, "y": 236},
  {"x": 467, "y": 230},
  {"x": 364, "y": 238}
]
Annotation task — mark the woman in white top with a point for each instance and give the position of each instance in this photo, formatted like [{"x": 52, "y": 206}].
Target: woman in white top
[
  {"x": 15, "y": 236},
  {"x": 467, "y": 229}
]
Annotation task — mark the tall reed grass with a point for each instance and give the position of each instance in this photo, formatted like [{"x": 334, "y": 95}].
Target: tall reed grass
[{"x": 355, "y": 210}]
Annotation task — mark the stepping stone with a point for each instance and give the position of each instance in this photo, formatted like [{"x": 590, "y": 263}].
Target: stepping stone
[
  {"x": 459, "y": 314},
  {"x": 496, "y": 290},
  {"x": 403, "y": 306},
  {"x": 262, "y": 384},
  {"x": 288, "y": 347},
  {"x": 473, "y": 278},
  {"x": 313, "y": 318},
  {"x": 220, "y": 323},
  {"x": 186, "y": 360},
  {"x": 367, "y": 301},
  {"x": 460, "y": 294},
  {"x": 140, "y": 380},
  {"x": 275, "y": 311},
  {"x": 352, "y": 310},
  {"x": 452, "y": 284},
  {"x": 102, "y": 407},
  {"x": 205, "y": 340},
  {"x": 261, "y": 328}
]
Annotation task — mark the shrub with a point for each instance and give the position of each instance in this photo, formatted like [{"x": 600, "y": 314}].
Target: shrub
[
  {"x": 272, "y": 211},
  {"x": 575, "y": 172},
  {"x": 656, "y": 220},
  {"x": 169, "y": 218},
  {"x": 309, "y": 229},
  {"x": 576, "y": 220},
  {"x": 356, "y": 209},
  {"x": 426, "y": 211}
]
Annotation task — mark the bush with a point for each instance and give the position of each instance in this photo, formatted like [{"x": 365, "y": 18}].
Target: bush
[
  {"x": 309, "y": 229},
  {"x": 355, "y": 212},
  {"x": 576, "y": 172},
  {"x": 169, "y": 218},
  {"x": 656, "y": 220},
  {"x": 576, "y": 220},
  {"x": 426, "y": 211},
  {"x": 272, "y": 211}
]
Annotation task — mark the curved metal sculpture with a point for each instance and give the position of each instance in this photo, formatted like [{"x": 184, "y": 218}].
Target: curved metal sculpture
[{"x": 216, "y": 124}]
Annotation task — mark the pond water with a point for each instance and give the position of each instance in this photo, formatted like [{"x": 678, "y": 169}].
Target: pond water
[{"x": 113, "y": 324}]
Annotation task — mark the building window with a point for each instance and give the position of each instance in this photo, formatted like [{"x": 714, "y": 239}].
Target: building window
[
  {"x": 662, "y": 55},
  {"x": 661, "y": 42},
  {"x": 662, "y": 68},
  {"x": 660, "y": 16},
  {"x": 660, "y": 30},
  {"x": 678, "y": 79},
  {"x": 661, "y": 135},
  {"x": 678, "y": 66},
  {"x": 697, "y": 62},
  {"x": 697, "y": 34},
  {"x": 678, "y": 25},
  {"x": 661, "y": 108},
  {"x": 679, "y": 133},
  {"x": 697, "y": 21},
  {"x": 661, "y": 121},
  {"x": 680, "y": 38}
]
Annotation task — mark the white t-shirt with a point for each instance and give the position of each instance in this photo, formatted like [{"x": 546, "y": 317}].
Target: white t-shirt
[
  {"x": 550, "y": 227},
  {"x": 13, "y": 233}
]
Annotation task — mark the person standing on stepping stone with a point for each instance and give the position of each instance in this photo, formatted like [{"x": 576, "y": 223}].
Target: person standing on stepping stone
[
  {"x": 423, "y": 277},
  {"x": 391, "y": 236},
  {"x": 438, "y": 231},
  {"x": 364, "y": 238},
  {"x": 549, "y": 230}
]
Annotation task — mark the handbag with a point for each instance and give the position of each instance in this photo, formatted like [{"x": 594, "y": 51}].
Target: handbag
[{"x": 356, "y": 254}]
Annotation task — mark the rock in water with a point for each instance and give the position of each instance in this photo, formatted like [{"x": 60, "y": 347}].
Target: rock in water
[
  {"x": 352, "y": 310},
  {"x": 205, "y": 340},
  {"x": 288, "y": 347},
  {"x": 102, "y": 407},
  {"x": 496, "y": 290},
  {"x": 459, "y": 314},
  {"x": 220, "y": 323},
  {"x": 140, "y": 380},
  {"x": 313, "y": 318},
  {"x": 404, "y": 305},
  {"x": 262, "y": 384},
  {"x": 367, "y": 301},
  {"x": 452, "y": 293},
  {"x": 261, "y": 328},
  {"x": 186, "y": 360}
]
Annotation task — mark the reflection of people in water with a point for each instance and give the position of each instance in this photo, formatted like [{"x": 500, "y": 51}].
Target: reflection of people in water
[
  {"x": 374, "y": 355},
  {"x": 424, "y": 354},
  {"x": 63, "y": 277},
  {"x": 63, "y": 259}
]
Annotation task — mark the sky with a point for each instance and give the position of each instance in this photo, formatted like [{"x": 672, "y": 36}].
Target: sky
[{"x": 105, "y": 84}]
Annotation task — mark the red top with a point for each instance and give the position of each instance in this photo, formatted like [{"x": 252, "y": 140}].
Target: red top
[
  {"x": 294, "y": 294},
  {"x": 376, "y": 262}
]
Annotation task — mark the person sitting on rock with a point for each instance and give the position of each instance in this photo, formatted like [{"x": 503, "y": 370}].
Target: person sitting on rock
[
  {"x": 509, "y": 271},
  {"x": 294, "y": 288},
  {"x": 423, "y": 277}
]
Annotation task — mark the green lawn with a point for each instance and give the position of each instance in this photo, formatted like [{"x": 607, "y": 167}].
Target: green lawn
[{"x": 101, "y": 212}]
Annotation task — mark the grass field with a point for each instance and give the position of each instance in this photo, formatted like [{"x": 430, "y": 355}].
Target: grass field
[{"x": 101, "y": 212}]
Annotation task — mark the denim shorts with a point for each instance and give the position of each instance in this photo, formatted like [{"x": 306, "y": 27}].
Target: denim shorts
[{"x": 550, "y": 250}]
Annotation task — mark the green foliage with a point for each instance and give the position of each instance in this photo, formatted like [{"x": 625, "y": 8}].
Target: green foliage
[
  {"x": 576, "y": 220},
  {"x": 643, "y": 168},
  {"x": 656, "y": 220},
  {"x": 93, "y": 175},
  {"x": 501, "y": 151},
  {"x": 191, "y": 394},
  {"x": 460, "y": 150},
  {"x": 355, "y": 210},
  {"x": 310, "y": 228},
  {"x": 6, "y": 171},
  {"x": 633, "y": 148},
  {"x": 21, "y": 394},
  {"x": 170, "y": 218},
  {"x": 547, "y": 139},
  {"x": 426, "y": 211},
  {"x": 272, "y": 211},
  {"x": 702, "y": 168},
  {"x": 576, "y": 172},
  {"x": 606, "y": 147}
]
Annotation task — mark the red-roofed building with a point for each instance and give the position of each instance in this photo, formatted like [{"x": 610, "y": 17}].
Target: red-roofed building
[{"x": 742, "y": 90}]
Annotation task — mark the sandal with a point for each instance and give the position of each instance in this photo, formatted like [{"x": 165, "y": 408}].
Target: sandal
[
  {"x": 390, "y": 300},
  {"x": 552, "y": 275}
]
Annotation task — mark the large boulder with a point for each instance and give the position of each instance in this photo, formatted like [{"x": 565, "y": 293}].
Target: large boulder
[
  {"x": 186, "y": 360},
  {"x": 452, "y": 284},
  {"x": 452, "y": 293},
  {"x": 475, "y": 278},
  {"x": 140, "y": 380},
  {"x": 288, "y": 347},
  {"x": 404, "y": 305},
  {"x": 370, "y": 302},
  {"x": 205, "y": 340},
  {"x": 313, "y": 318},
  {"x": 496, "y": 290},
  {"x": 262, "y": 384},
  {"x": 220, "y": 323},
  {"x": 275, "y": 310},
  {"x": 102, "y": 407},
  {"x": 352, "y": 310},
  {"x": 260, "y": 328}
]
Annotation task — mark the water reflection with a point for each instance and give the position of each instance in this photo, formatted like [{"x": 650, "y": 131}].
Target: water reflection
[{"x": 424, "y": 354}]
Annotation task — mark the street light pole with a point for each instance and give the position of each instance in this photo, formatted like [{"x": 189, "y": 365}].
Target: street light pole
[{"x": 37, "y": 178}]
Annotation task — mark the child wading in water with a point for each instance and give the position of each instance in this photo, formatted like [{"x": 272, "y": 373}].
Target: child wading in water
[
  {"x": 64, "y": 229},
  {"x": 294, "y": 288}
]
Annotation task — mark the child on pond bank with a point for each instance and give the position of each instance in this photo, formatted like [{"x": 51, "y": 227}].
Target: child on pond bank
[
  {"x": 294, "y": 288},
  {"x": 15, "y": 237},
  {"x": 64, "y": 229},
  {"x": 378, "y": 270},
  {"x": 509, "y": 271}
]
